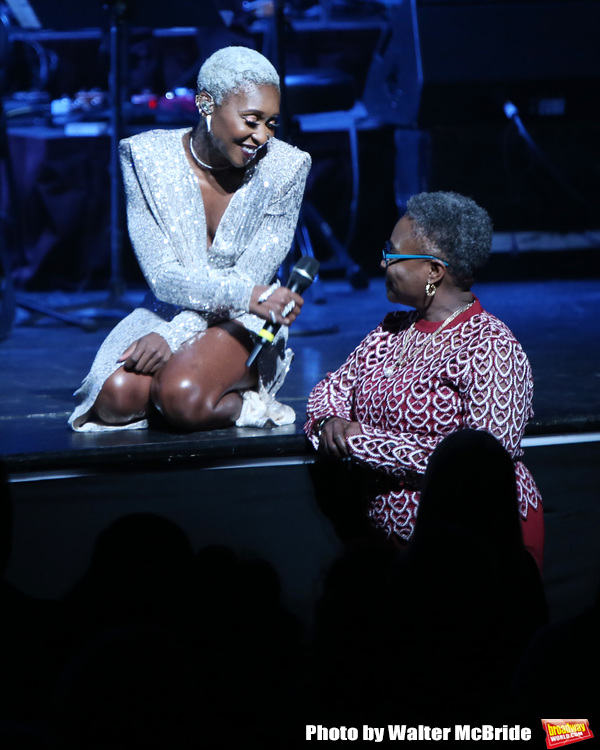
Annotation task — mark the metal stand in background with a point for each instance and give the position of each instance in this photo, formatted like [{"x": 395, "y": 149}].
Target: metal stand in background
[
  {"x": 117, "y": 10},
  {"x": 66, "y": 15},
  {"x": 7, "y": 295},
  {"x": 310, "y": 221},
  {"x": 121, "y": 13},
  {"x": 114, "y": 306},
  {"x": 176, "y": 13},
  {"x": 9, "y": 299}
]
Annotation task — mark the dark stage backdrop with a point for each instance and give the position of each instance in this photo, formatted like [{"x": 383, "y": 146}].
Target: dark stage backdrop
[
  {"x": 477, "y": 55},
  {"x": 539, "y": 54}
]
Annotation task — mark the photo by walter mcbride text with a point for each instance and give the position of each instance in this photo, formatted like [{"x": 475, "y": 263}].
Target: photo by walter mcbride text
[{"x": 405, "y": 732}]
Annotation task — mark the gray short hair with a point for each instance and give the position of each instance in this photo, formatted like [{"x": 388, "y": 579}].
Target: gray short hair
[
  {"x": 455, "y": 228},
  {"x": 232, "y": 69}
]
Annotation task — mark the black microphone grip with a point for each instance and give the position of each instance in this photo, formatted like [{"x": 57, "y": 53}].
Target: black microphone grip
[{"x": 302, "y": 276}]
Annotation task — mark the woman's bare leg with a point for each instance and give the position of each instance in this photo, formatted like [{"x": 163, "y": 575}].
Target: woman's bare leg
[
  {"x": 125, "y": 397},
  {"x": 197, "y": 389}
]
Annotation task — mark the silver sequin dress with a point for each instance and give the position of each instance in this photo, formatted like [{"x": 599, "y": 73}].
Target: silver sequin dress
[{"x": 191, "y": 285}]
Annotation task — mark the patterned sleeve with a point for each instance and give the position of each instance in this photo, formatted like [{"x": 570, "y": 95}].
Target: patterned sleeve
[
  {"x": 334, "y": 395},
  {"x": 500, "y": 394},
  {"x": 402, "y": 454},
  {"x": 496, "y": 395}
]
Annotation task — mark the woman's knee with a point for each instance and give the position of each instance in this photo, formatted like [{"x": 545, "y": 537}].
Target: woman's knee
[
  {"x": 184, "y": 404},
  {"x": 197, "y": 387},
  {"x": 124, "y": 397}
]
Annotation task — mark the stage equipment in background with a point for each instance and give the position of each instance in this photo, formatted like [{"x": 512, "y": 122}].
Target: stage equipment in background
[
  {"x": 477, "y": 55},
  {"x": 393, "y": 96},
  {"x": 307, "y": 91},
  {"x": 10, "y": 224},
  {"x": 395, "y": 79},
  {"x": 122, "y": 14},
  {"x": 447, "y": 67},
  {"x": 543, "y": 58},
  {"x": 116, "y": 16},
  {"x": 302, "y": 276},
  {"x": 512, "y": 113},
  {"x": 7, "y": 294},
  {"x": 7, "y": 299}
]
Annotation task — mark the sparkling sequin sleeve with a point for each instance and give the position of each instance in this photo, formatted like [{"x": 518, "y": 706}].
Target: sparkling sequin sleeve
[
  {"x": 168, "y": 231},
  {"x": 155, "y": 220},
  {"x": 257, "y": 264},
  {"x": 269, "y": 246}
]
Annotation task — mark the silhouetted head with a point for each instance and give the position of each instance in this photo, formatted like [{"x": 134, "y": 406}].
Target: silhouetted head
[
  {"x": 141, "y": 542},
  {"x": 470, "y": 487}
]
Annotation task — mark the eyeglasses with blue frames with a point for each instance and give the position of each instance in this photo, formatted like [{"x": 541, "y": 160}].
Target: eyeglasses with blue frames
[{"x": 390, "y": 258}]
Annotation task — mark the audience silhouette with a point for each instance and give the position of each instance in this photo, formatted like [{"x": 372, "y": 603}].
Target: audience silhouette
[
  {"x": 476, "y": 595},
  {"x": 547, "y": 675},
  {"x": 437, "y": 628},
  {"x": 158, "y": 646}
]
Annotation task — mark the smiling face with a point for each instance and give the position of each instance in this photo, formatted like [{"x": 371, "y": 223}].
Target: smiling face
[
  {"x": 241, "y": 124},
  {"x": 405, "y": 280}
]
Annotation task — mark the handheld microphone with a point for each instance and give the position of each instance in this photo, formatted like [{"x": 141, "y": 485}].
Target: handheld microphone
[{"x": 302, "y": 276}]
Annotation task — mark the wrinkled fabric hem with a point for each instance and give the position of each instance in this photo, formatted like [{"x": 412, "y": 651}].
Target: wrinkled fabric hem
[{"x": 260, "y": 409}]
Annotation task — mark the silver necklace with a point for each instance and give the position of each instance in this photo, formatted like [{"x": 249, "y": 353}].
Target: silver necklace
[
  {"x": 405, "y": 357},
  {"x": 199, "y": 161}
]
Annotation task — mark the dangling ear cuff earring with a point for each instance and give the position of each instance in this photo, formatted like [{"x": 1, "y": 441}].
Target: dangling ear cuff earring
[
  {"x": 205, "y": 106},
  {"x": 430, "y": 289}
]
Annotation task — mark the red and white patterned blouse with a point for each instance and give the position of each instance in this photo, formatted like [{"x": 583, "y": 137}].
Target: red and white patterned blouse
[{"x": 473, "y": 374}]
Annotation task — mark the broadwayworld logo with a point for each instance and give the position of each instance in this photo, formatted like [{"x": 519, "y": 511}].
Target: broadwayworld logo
[{"x": 560, "y": 732}]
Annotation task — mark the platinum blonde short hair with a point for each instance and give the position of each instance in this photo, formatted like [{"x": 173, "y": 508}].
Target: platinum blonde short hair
[{"x": 233, "y": 69}]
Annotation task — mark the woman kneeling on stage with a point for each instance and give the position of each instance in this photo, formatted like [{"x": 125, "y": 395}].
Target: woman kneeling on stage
[
  {"x": 211, "y": 214},
  {"x": 423, "y": 374}
]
